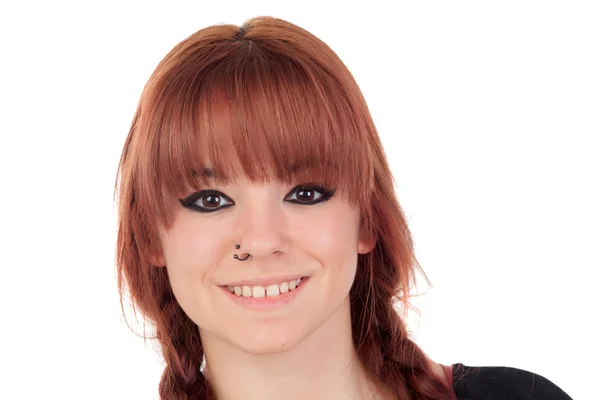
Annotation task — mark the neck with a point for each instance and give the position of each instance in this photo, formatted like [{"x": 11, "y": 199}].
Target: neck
[{"x": 324, "y": 365}]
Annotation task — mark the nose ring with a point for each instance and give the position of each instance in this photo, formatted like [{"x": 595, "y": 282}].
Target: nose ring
[{"x": 237, "y": 246}]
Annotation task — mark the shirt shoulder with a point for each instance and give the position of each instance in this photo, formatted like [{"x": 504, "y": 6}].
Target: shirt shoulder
[{"x": 490, "y": 383}]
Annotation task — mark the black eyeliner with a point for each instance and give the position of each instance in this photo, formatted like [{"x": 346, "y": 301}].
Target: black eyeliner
[
  {"x": 189, "y": 202},
  {"x": 327, "y": 193}
]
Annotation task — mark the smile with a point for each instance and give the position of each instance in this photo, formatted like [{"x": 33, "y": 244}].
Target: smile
[
  {"x": 262, "y": 291},
  {"x": 265, "y": 298}
]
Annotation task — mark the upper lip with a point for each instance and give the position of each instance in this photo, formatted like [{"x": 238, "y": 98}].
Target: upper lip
[{"x": 266, "y": 280}]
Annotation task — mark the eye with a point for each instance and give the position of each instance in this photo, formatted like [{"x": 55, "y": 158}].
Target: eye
[
  {"x": 306, "y": 194},
  {"x": 206, "y": 201}
]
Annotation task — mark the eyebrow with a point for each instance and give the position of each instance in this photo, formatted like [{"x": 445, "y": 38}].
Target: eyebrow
[
  {"x": 210, "y": 173},
  {"x": 206, "y": 172}
]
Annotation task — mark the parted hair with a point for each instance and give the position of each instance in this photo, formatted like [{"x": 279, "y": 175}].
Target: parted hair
[{"x": 267, "y": 95}]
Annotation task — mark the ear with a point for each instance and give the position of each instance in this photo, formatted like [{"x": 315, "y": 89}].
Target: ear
[
  {"x": 157, "y": 259},
  {"x": 366, "y": 241}
]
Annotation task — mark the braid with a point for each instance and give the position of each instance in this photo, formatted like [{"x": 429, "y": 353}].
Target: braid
[
  {"x": 393, "y": 359},
  {"x": 183, "y": 353},
  {"x": 383, "y": 344}
]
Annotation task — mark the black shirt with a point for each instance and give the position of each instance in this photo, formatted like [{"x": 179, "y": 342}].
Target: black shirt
[{"x": 502, "y": 383}]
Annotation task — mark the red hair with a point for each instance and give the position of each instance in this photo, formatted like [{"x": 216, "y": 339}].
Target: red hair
[{"x": 272, "y": 101}]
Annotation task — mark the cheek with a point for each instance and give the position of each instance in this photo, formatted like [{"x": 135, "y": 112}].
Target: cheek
[
  {"x": 189, "y": 249},
  {"x": 191, "y": 255},
  {"x": 333, "y": 241}
]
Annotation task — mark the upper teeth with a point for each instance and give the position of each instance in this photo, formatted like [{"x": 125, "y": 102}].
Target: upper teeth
[{"x": 261, "y": 291}]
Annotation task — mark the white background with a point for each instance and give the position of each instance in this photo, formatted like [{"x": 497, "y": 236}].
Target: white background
[{"x": 489, "y": 114}]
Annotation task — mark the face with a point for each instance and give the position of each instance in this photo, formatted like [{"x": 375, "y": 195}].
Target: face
[{"x": 290, "y": 232}]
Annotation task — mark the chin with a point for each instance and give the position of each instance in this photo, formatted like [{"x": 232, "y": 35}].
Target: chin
[{"x": 264, "y": 340}]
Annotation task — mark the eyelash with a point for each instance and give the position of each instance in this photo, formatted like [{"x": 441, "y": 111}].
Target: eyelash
[{"x": 190, "y": 201}]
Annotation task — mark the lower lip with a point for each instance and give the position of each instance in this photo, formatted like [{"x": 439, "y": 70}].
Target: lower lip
[{"x": 266, "y": 303}]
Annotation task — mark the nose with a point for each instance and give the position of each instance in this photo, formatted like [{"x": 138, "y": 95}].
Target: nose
[{"x": 262, "y": 224}]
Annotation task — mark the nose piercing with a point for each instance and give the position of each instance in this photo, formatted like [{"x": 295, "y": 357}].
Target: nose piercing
[{"x": 237, "y": 246}]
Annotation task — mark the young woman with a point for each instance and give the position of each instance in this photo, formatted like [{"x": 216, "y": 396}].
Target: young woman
[{"x": 260, "y": 234}]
